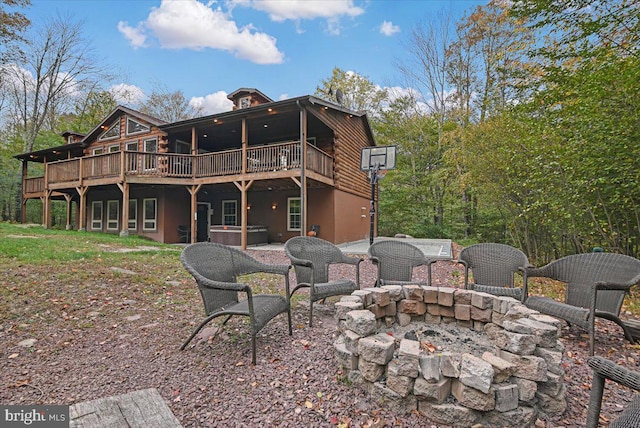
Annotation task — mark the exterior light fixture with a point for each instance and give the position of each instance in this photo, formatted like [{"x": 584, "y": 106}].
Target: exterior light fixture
[{"x": 274, "y": 206}]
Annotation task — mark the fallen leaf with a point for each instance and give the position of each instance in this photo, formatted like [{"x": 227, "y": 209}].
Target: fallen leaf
[
  {"x": 12, "y": 356},
  {"x": 20, "y": 383},
  {"x": 308, "y": 404}
]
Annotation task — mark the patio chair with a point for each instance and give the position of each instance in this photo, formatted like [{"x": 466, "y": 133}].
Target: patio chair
[
  {"x": 493, "y": 267},
  {"x": 311, "y": 258},
  {"x": 604, "y": 369},
  {"x": 184, "y": 233},
  {"x": 216, "y": 268},
  {"x": 596, "y": 284},
  {"x": 395, "y": 261}
]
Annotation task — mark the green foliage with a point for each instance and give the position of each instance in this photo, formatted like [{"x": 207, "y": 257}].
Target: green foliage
[{"x": 359, "y": 93}]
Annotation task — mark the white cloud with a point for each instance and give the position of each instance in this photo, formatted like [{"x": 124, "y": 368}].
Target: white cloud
[
  {"x": 388, "y": 29},
  {"x": 212, "y": 103},
  {"x": 297, "y": 10},
  {"x": 127, "y": 94},
  {"x": 189, "y": 24},
  {"x": 136, "y": 36},
  {"x": 280, "y": 10}
]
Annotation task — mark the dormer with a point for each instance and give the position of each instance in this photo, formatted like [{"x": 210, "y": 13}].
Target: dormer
[
  {"x": 247, "y": 97},
  {"x": 71, "y": 137}
]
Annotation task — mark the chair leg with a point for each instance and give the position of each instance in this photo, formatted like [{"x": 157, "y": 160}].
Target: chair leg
[
  {"x": 311, "y": 313},
  {"x": 202, "y": 324},
  {"x": 253, "y": 341},
  {"x": 289, "y": 319},
  {"x": 595, "y": 401}
]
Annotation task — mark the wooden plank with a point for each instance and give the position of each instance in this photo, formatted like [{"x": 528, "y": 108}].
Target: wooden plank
[{"x": 144, "y": 408}]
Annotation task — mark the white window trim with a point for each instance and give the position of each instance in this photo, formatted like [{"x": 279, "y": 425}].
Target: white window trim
[
  {"x": 183, "y": 144},
  {"x": 129, "y": 143},
  {"x": 235, "y": 217},
  {"x": 97, "y": 150},
  {"x": 289, "y": 228},
  {"x": 150, "y": 164},
  {"x": 113, "y": 148},
  {"x": 126, "y": 127},
  {"x": 115, "y": 124},
  {"x": 133, "y": 219},
  {"x": 146, "y": 220},
  {"x": 112, "y": 224},
  {"x": 96, "y": 221}
]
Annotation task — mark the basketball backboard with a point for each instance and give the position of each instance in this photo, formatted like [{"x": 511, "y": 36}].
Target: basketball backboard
[{"x": 380, "y": 157}]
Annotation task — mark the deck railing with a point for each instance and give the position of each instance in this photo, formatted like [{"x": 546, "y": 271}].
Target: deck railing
[
  {"x": 33, "y": 185},
  {"x": 272, "y": 157}
]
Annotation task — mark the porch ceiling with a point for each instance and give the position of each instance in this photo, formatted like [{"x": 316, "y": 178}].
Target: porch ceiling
[{"x": 226, "y": 133}]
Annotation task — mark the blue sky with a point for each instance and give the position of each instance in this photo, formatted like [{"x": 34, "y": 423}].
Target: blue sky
[{"x": 284, "y": 48}]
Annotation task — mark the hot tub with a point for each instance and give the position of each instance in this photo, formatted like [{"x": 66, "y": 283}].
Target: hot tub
[{"x": 230, "y": 235}]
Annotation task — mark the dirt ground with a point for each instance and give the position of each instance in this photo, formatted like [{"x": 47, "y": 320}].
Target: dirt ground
[{"x": 92, "y": 332}]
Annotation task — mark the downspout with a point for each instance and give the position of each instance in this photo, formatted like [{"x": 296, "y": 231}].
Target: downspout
[{"x": 303, "y": 167}]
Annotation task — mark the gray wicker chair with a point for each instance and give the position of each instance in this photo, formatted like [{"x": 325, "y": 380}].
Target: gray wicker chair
[
  {"x": 396, "y": 260},
  {"x": 311, "y": 258},
  {"x": 493, "y": 267},
  {"x": 604, "y": 369},
  {"x": 596, "y": 284},
  {"x": 216, "y": 268}
]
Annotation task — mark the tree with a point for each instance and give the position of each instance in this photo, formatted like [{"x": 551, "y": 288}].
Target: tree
[
  {"x": 427, "y": 66},
  {"x": 578, "y": 28},
  {"x": 358, "y": 92},
  {"x": 57, "y": 67},
  {"x": 169, "y": 106},
  {"x": 12, "y": 25}
]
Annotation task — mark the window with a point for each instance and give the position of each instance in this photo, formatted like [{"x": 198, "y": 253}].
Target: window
[
  {"x": 98, "y": 151},
  {"x": 183, "y": 147},
  {"x": 229, "y": 213},
  {"x": 135, "y": 127},
  {"x": 245, "y": 102},
  {"x": 133, "y": 215},
  {"x": 149, "y": 214},
  {"x": 112, "y": 132},
  {"x": 294, "y": 214},
  {"x": 113, "y": 148},
  {"x": 131, "y": 158},
  {"x": 113, "y": 215},
  {"x": 150, "y": 146},
  {"x": 96, "y": 215}
]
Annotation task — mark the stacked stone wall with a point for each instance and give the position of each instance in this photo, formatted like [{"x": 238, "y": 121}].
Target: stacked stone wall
[{"x": 511, "y": 385}]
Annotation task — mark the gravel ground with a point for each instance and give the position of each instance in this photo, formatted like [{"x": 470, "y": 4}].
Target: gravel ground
[{"x": 116, "y": 342}]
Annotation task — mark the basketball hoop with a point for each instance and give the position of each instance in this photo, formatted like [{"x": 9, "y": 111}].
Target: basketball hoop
[{"x": 376, "y": 161}]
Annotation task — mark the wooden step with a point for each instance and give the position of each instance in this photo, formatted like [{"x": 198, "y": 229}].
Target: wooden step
[{"x": 143, "y": 409}]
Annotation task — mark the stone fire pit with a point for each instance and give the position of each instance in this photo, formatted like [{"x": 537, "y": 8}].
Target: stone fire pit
[{"x": 459, "y": 357}]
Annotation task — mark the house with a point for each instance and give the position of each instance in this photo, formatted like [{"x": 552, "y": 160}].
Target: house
[{"x": 263, "y": 172}]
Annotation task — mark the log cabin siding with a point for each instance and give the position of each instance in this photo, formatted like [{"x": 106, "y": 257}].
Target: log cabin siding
[
  {"x": 349, "y": 139},
  {"x": 154, "y": 132}
]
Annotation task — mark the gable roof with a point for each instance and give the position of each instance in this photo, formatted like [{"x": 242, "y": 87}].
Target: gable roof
[
  {"x": 246, "y": 91},
  {"x": 119, "y": 110}
]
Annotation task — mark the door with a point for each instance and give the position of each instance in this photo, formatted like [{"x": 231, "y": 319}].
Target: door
[{"x": 203, "y": 222}]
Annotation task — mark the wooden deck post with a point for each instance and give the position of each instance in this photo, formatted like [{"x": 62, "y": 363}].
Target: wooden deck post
[
  {"x": 67, "y": 198},
  {"x": 124, "y": 230},
  {"x": 82, "y": 224}
]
